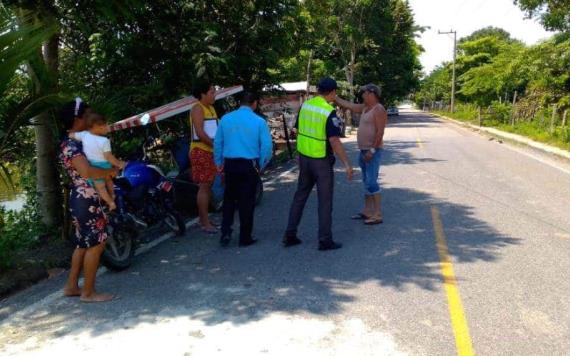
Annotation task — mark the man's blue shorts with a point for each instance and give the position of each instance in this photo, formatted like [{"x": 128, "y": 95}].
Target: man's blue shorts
[{"x": 370, "y": 171}]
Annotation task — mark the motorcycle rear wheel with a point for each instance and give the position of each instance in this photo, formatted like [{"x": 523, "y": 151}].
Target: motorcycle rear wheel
[{"x": 173, "y": 220}]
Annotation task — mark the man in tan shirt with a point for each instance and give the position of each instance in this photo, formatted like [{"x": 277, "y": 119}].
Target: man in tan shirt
[{"x": 370, "y": 140}]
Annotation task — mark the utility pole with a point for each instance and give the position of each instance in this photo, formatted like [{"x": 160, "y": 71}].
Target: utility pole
[{"x": 453, "y": 68}]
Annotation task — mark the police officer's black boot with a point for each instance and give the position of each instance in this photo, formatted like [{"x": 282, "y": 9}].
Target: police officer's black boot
[
  {"x": 291, "y": 240},
  {"x": 247, "y": 242},
  {"x": 225, "y": 239},
  {"x": 329, "y": 245}
]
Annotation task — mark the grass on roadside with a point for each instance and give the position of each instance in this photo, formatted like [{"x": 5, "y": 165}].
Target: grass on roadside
[
  {"x": 535, "y": 130},
  {"x": 18, "y": 231}
]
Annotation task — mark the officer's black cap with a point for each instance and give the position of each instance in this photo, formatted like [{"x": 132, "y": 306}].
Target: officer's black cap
[{"x": 326, "y": 85}]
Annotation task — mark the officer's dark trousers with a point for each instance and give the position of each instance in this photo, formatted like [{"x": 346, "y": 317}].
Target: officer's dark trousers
[
  {"x": 241, "y": 182},
  {"x": 320, "y": 172}
]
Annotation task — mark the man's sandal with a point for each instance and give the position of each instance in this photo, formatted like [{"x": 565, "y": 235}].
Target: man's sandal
[
  {"x": 373, "y": 221},
  {"x": 209, "y": 230},
  {"x": 360, "y": 216}
]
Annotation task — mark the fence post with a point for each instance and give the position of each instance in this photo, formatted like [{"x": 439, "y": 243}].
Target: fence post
[
  {"x": 552, "y": 118},
  {"x": 479, "y": 116},
  {"x": 286, "y": 131},
  {"x": 513, "y": 109},
  {"x": 564, "y": 117}
]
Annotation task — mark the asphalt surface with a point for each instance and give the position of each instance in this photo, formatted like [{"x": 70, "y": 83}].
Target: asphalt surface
[{"x": 505, "y": 215}]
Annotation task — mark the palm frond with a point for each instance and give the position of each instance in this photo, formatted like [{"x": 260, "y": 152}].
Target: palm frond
[
  {"x": 6, "y": 178},
  {"x": 21, "y": 38},
  {"x": 21, "y": 113}
]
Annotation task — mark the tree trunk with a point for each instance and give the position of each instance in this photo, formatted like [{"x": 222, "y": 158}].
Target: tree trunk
[
  {"x": 309, "y": 73},
  {"x": 349, "y": 72},
  {"x": 47, "y": 180},
  {"x": 46, "y": 162}
]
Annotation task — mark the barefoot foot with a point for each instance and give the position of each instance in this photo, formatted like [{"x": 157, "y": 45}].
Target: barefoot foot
[
  {"x": 97, "y": 298},
  {"x": 72, "y": 292}
]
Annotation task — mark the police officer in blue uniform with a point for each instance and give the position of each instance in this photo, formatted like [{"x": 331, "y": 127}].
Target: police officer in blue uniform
[{"x": 318, "y": 140}]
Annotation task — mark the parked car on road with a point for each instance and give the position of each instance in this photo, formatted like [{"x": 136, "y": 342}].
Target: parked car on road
[{"x": 392, "y": 110}]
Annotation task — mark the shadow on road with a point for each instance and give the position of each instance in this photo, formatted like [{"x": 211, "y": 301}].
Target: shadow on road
[
  {"x": 192, "y": 277},
  {"x": 402, "y": 152}
]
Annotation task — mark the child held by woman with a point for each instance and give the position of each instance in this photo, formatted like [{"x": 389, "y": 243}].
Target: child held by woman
[{"x": 97, "y": 149}]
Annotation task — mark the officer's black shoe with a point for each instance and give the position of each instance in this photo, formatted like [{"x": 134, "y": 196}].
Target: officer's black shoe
[
  {"x": 225, "y": 240},
  {"x": 329, "y": 245},
  {"x": 248, "y": 242},
  {"x": 289, "y": 241}
]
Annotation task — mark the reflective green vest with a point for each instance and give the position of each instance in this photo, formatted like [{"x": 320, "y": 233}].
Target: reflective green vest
[{"x": 312, "y": 133}]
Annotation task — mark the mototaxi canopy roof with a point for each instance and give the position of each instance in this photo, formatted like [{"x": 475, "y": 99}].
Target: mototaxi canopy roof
[{"x": 168, "y": 110}]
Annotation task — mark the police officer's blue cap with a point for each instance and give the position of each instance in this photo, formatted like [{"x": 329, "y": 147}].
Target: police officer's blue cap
[{"x": 327, "y": 85}]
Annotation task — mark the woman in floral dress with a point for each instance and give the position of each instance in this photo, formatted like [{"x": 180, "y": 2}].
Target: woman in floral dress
[{"x": 89, "y": 220}]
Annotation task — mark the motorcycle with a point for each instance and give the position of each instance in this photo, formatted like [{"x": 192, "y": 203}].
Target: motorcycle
[{"x": 145, "y": 198}]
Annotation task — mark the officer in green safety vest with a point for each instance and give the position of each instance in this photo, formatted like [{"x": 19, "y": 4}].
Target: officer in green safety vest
[{"x": 318, "y": 140}]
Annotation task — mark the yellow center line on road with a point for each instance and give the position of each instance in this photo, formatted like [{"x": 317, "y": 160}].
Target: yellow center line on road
[
  {"x": 420, "y": 143},
  {"x": 456, "y": 313},
  {"x": 458, "y": 321}
]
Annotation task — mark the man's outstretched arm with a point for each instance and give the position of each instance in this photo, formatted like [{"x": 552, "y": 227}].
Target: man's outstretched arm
[{"x": 358, "y": 108}]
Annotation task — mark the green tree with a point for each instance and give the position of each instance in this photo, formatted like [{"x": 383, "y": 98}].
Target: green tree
[
  {"x": 491, "y": 70},
  {"x": 436, "y": 87},
  {"x": 493, "y": 67},
  {"x": 554, "y": 14},
  {"x": 41, "y": 65},
  {"x": 391, "y": 55},
  {"x": 481, "y": 47},
  {"x": 486, "y": 32},
  {"x": 486, "y": 64},
  {"x": 487, "y": 68},
  {"x": 26, "y": 85},
  {"x": 548, "y": 68},
  {"x": 362, "y": 41},
  {"x": 155, "y": 53},
  {"x": 340, "y": 33}
]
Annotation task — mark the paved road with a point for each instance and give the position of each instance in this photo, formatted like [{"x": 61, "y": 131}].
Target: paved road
[{"x": 473, "y": 255}]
